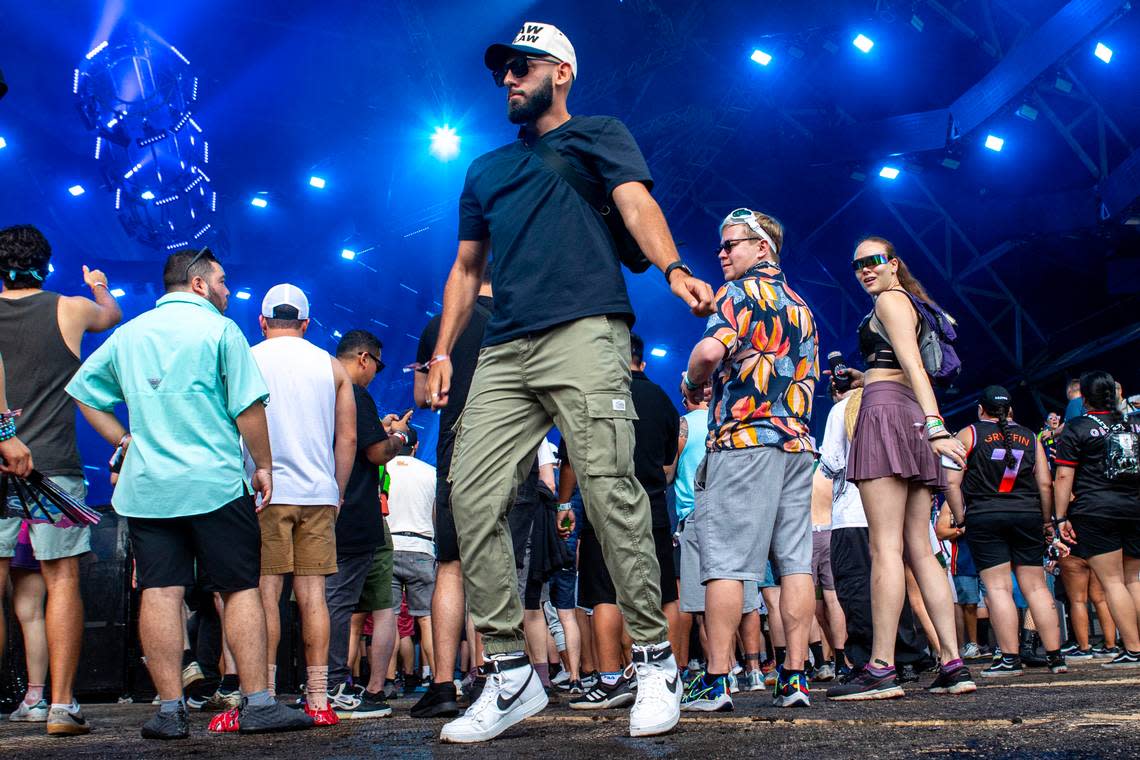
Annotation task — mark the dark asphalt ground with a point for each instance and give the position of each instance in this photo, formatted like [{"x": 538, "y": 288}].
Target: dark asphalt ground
[{"x": 1088, "y": 713}]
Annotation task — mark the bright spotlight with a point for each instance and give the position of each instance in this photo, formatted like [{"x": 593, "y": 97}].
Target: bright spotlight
[
  {"x": 863, "y": 42},
  {"x": 242, "y": 295},
  {"x": 147, "y": 195},
  {"x": 1103, "y": 52},
  {"x": 348, "y": 254},
  {"x": 336, "y": 334},
  {"x": 760, "y": 57},
  {"x": 76, "y": 190},
  {"x": 889, "y": 172},
  {"x": 994, "y": 143},
  {"x": 317, "y": 182},
  {"x": 444, "y": 143},
  {"x": 259, "y": 202},
  {"x": 3, "y": 143},
  {"x": 118, "y": 292},
  {"x": 660, "y": 353}
]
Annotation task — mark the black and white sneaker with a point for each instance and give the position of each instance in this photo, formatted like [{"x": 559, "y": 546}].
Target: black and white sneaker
[
  {"x": 1005, "y": 666},
  {"x": 658, "y": 705},
  {"x": 604, "y": 696},
  {"x": 1056, "y": 664},
  {"x": 1126, "y": 659},
  {"x": 513, "y": 693}
]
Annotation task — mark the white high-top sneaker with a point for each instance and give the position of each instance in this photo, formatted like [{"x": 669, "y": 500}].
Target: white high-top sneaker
[
  {"x": 512, "y": 694},
  {"x": 658, "y": 705}
]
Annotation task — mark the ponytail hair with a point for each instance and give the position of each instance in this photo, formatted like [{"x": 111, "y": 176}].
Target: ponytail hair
[
  {"x": 1099, "y": 391},
  {"x": 1002, "y": 415},
  {"x": 907, "y": 281}
]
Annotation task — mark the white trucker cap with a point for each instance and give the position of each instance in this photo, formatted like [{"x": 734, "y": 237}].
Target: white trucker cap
[
  {"x": 535, "y": 38},
  {"x": 285, "y": 301}
]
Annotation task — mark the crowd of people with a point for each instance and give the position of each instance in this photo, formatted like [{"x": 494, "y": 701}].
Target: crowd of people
[{"x": 651, "y": 560}]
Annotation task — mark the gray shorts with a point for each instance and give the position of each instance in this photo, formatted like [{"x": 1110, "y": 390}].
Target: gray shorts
[
  {"x": 821, "y": 559},
  {"x": 753, "y": 502},
  {"x": 413, "y": 573},
  {"x": 48, "y": 541},
  {"x": 692, "y": 592}
]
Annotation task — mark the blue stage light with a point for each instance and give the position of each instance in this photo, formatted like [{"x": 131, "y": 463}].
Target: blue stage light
[
  {"x": 317, "y": 182},
  {"x": 76, "y": 190},
  {"x": 118, "y": 292},
  {"x": 889, "y": 172},
  {"x": 96, "y": 50},
  {"x": 336, "y": 334},
  {"x": 660, "y": 353},
  {"x": 863, "y": 42},
  {"x": 444, "y": 143},
  {"x": 1103, "y": 52},
  {"x": 994, "y": 143},
  {"x": 3, "y": 143},
  {"x": 242, "y": 295},
  {"x": 147, "y": 195},
  {"x": 348, "y": 254},
  {"x": 259, "y": 202},
  {"x": 760, "y": 57}
]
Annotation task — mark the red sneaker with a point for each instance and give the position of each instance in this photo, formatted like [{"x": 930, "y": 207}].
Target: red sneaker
[
  {"x": 325, "y": 717},
  {"x": 225, "y": 722}
]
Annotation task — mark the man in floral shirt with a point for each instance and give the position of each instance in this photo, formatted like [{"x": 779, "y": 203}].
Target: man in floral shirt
[{"x": 760, "y": 351}]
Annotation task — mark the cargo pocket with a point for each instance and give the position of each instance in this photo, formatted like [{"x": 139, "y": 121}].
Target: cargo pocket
[
  {"x": 610, "y": 447},
  {"x": 456, "y": 428}
]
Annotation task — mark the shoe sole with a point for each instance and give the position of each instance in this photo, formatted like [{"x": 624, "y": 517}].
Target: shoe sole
[
  {"x": 56, "y": 729},
  {"x": 894, "y": 692},
  {"x": 625, "y": 700},
  {"x": 445, "y": 710},
  {"x": 162, "y": 737},
  {"x": 1120, "y": 665},
  {"x": 354, "y": 715},
  {"x": 707, "y": 705},
  {"x": 1059, "y": 671},
  {"x": 659, "y": 728},
  {"x": 28, "y": 719},
  {"x": 795, "y": 700},
  {"x": 969, "y": 687},
  {"x": 533, "y": 706},
  {"x": 1003, "y": 674}
]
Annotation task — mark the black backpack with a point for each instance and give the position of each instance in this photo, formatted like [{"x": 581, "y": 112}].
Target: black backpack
[{"x": 1121, "y": 451}]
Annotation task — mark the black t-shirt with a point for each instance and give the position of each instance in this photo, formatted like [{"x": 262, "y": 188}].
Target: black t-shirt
[
  {"x": 1081, "y": 445},
  {"x": 359, "y": 529},
  {"x": 655, "y": 432},
  {"x": 554, "y": 260},
  {"x": 990, "y": 486},
  {"x": 464, "y": 357}
]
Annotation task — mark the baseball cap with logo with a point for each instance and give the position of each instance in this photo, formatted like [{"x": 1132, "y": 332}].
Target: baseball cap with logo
[
  {"x": 535, "y": 38},
  {"x": 994, "y": 398},
  {"x": 285, "y": 301}
]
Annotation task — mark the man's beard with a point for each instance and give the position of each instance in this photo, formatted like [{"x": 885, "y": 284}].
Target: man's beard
[
  {"x": 213, "y": 297},
  {"x": 533, "y": 105}
]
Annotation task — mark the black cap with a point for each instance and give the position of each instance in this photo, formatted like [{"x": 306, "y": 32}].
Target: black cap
[
  {"x": 994, "y": 398},
  {"x": 413, "y": 439}
]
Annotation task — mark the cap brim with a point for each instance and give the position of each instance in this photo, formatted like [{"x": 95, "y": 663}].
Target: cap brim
[{"x": 498, "y": 54}]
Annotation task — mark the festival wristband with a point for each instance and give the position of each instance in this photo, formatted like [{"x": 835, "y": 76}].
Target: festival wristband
[
  {"x": 100, "y": 284},
  {"x": 565, "y": 507},
  {"x": 689, "y": 383},
  {"x": 402, "y": 434},
  {"x": 7, "y": 429},
  {"x": 425, "y": 366}
]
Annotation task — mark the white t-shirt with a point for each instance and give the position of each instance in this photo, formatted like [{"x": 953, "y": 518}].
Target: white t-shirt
[
  {"x": 846, "y": 506},
  {"x": 411, "y": 505},
  {"x": 302, "y": 421},
  {"x": 547, "y": 452}
]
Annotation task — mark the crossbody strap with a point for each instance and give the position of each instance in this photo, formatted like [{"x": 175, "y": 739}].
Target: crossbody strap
[{"x": 563, "y": 169}]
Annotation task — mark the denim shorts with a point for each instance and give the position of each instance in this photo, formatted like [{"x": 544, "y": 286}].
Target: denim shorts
[
  {"x": 967, "y": 588},
  {"x": 564, "y": 583}
]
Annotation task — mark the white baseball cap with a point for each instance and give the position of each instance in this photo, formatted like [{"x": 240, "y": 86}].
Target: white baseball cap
[
  {"x": 292, "y": 298},
  {"x": 535, "y": 38}
]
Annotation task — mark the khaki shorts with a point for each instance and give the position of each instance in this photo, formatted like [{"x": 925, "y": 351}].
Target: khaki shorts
[
  {"x": 298, "y": 540},
  {"x": 377, "y": 591}
]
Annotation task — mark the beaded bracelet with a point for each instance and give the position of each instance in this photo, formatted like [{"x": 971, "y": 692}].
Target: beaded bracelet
[{"x": 7, "y": 428}]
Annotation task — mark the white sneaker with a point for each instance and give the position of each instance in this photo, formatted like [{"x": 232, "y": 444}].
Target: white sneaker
[
  {"x": 658, "y": 705},
  {"x": 562, "y": 680},
  {"x": 755, "y": 680},
  {"x": 25, "y": 713},
  {"x": 970, "y": 651},
  {"x": 512, "y": 694}
]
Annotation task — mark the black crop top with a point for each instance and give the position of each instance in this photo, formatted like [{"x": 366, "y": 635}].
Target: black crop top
[{"x": 875, "y": 348}]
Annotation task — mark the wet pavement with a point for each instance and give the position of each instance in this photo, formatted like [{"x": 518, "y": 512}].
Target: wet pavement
[{"x": 1088, "y": 713}]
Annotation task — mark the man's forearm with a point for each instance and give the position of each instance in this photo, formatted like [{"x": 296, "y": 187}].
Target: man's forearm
[
  {"x": 707, "y": 354},
  {"x": 458, "y": 301},
  {"x": 647, "y": 224},
  {"x": 254, "y": 429},
  {"x": 106, "y": 424}
]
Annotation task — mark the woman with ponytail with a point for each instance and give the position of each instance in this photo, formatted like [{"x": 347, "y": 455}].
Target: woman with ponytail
[
  {"x": 1103, "y": 520},
  {"x": 899, "y": 440},
  {"x": 1004, "y": 500}
]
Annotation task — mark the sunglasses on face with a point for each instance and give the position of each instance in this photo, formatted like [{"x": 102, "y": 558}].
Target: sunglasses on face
[
  {"x": 379, "y": 364},
  {"x": 520, "y": 67},
  {"x": 870, "y": 262},
  {"x": 728, "y": 245}
]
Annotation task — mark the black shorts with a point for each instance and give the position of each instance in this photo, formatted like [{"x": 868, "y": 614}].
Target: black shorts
[
  {"x": 224, "y": 546},
  {"x": 1102, "y": 535},
  {"x": 446, "y": 537},
  {"x": 595, "y": 586},
  {"x": 997, "y": 538}
]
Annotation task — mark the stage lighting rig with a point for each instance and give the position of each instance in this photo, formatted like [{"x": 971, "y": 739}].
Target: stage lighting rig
[{"x": 138, "y": 95}]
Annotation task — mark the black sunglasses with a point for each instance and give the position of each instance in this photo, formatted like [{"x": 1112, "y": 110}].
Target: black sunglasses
[
  {"x": 520, "y": 67},
  {"x": 379, "y": 364},
  {"x": 193, "y": 261},
  {"x": 728, "y": 245}
]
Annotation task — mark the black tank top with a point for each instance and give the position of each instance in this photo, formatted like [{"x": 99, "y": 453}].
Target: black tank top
[
  {"x": 989, "y": 485},
  {"x": 875, "y": 348},
  {"x": 37, "y": 367}
]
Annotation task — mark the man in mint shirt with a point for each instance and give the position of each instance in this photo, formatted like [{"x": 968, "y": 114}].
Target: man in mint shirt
[{"x": 191, "y": 388}]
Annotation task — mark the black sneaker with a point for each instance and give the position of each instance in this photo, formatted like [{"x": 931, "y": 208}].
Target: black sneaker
[
  {"x": 1125, "y": 659},
  {"x": 439, "y": 701},
  {"x": 1003, "y": 667},
  {"x": 391, "y": 690},
  {"x": 473, "y": 687},
  {"x": 906, "y": 674},
  {"x": 267, "y": 719},
  {"x": 957, "y": 681},
  {"x": 1056, "y": 664},
  {"x": 862, "y": 685},
  {"x": 165, "y": 726},
  {"x": 603, "y": 697}
]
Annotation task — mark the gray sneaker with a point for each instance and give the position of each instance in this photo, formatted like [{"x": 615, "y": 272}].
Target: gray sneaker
[
  {"x": 267, "y": 719},
  {"x": 25, "y": 713},
  {"x": 165, "y": 726},
  {"x": 64, "y": 722}
]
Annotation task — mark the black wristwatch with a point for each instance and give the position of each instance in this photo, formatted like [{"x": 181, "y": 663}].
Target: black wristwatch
[{"x": 678, "y": 264}]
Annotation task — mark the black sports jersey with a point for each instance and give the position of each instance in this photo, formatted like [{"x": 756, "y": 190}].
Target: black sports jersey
[
  {"x": 992, "y": 486},
  {"x": 1081, "y": 446}
]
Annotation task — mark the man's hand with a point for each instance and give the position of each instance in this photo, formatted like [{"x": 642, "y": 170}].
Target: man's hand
[
  {"x": 262, "y": 482},
  {"x": 697, "y": 294},
  {"x": 94, "y": 278},
  {"x": 1068, "y": 535},
  {"x": 698, "y": 395},
  {"x": 566, "y": 521},
  {"x": 15, "y": 459},
  {"x": 393, "y": 423},
  {"x": 439, "y": 383}
]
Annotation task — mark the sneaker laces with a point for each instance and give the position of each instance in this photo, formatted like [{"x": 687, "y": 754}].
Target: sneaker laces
[
  {"x": 490, "y": 692},
  {"x": 650, "y": 682}
]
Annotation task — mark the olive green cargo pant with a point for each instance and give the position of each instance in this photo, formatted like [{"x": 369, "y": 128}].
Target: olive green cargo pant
[{"x": 575, "y": 376}]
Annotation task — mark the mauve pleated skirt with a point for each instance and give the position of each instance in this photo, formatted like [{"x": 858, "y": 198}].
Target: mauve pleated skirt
[{"x": 890, "y": 439}]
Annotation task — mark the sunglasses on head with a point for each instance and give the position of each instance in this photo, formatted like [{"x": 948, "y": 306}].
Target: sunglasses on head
[
  {"x": 870, "y": 262},
  {"x": 193, "y": 261},
  {"x": 519, "y": 66}
]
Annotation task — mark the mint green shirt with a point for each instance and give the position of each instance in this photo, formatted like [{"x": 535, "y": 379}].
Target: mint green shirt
[{"x": 185, "y": 373}]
